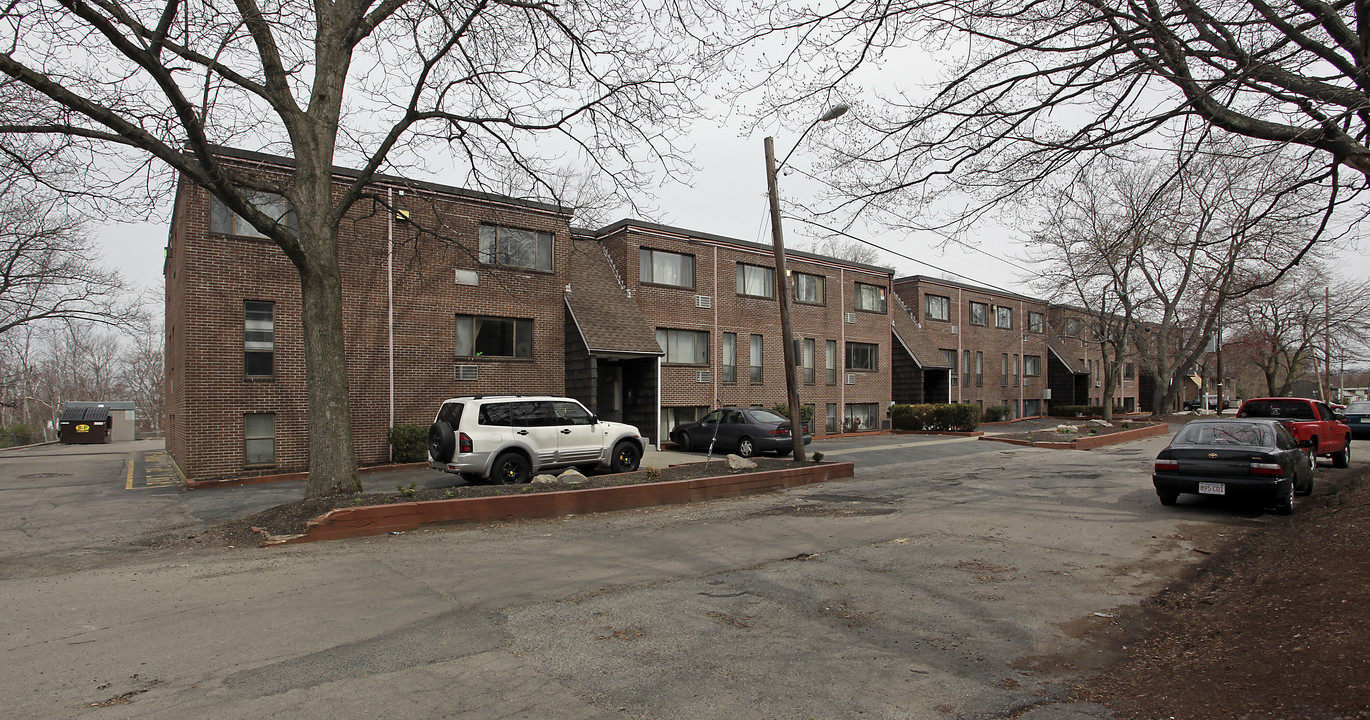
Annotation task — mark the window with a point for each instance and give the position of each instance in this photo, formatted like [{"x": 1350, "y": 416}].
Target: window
[
  {"x": 979, "y": 313},
  {"x": 939, "y": 308},
  {"x": 259, "y": 438},
  {"x": 259, "y": 338},
  {"x": 966, "y": 367},
  {"x": 1003, "y": 317},
  {"x": 979, "y": 369},
  {"x": 807, "y": 360},
  {"x": 863, "y": 356},
  {"x": 870, "y": 298},
  {"x": 1037, "y": 322},
  {"x": 830, "y": 362},
  {"x": 1072, "y": 327},
  {"x": 1032, "y": 365},
  {"x": 755, "y": 281},
  {"x": 673, "y": 416},
  {"x": 862, "y": 416},
  {"x": 810, "y": 289},
  {"x": 688, "y": 347},
  {"x": 226, "y": 222},
  {"x": 830, "y": 419},
  {"x": 494, "y": 337},
  {"x": 513, "y": 247},
  {"x": 1003, "y": 370},
  {"x": 658, "y": 267},
  {"x": 1017, "y": 369},
  {"x": 949, "y": 356},
  {"x": 756, "y": 360},
  {"x": 729, "y": 357},
  {"x": 1129, "y": 371}
]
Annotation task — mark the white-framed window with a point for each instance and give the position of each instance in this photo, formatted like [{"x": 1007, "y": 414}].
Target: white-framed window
[
  {"x": 673, "y": 416},
  {"x": 949, "y": 356},
  {"x": 862, "y": 416},
  {"x": 226, "y": 222},
  {"x": 515, "y": 247},
  {"x": 870, "y": 298},
  {"x": 259, "y": 338},
  {"x": 478, "y": 336},
  {"x": 1003, "y": 317},
  {"x": 259, "y": 438},
  {"x": 1032, "y": 365},
  {"x": 863, "y": 356},
  {"x": 979, "y": 313},
  {"x": 810, "y": 349},
  {"x": 658, "y": 267},
  {"x": 1037, "y": 322},
  {"x": 938, "y": 306},
  {"x": 755, "y": 360},
  {"x": 1072, "y": 328},
  {"x": 830, "y": 419},
  {"x": 755, "y": 281},
  {"x": 729, "y": 357},
  {"x": 979, "y": 368},
  {"x": 686, "y": 347},
  {"x": 810, "y": 289},
  {"x": 830, "y": 362}
]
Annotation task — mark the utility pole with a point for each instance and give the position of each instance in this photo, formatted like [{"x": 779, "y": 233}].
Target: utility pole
[
  {"x": 782, "y": 290},
  {"x": 1327, "y": 343}
]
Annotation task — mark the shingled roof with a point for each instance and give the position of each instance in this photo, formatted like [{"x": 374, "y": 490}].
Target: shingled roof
[
  {"x": 915, "y": 341},
  {"x": 609, "y": 322}
]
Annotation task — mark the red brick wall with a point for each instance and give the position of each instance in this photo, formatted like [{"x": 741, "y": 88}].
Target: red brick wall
[{"x": 212, "y": 275}]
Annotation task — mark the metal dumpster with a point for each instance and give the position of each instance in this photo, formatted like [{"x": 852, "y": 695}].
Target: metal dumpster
[{"x": 85, "y": 425}]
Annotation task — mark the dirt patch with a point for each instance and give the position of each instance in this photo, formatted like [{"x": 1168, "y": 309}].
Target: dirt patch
[
  {"x": 291, "y": 518},
  {"x": 1272, "y": 625}
]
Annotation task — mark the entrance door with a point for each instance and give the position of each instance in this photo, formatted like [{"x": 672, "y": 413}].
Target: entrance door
[{"x": 610, "y": 398}]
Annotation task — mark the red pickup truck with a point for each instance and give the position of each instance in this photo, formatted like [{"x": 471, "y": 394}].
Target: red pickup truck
[{"x": 1307, "y": 420}]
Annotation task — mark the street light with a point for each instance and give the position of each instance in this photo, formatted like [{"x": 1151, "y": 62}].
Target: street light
[{"x": 782, "y": 282}]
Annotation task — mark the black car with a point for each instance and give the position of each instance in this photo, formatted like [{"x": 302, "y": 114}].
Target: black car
[
  {"x": 1206, "y": 403},
  {"x": 1358, "y": 419},
  {"x": 1245, "y": 458},
  {"x": 746, "y": 430}
]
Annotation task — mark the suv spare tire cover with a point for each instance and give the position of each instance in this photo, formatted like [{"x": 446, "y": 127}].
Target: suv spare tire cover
[{"x": 442, "y": 443}]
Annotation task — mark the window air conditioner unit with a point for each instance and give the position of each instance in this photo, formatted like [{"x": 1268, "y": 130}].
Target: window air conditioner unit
[
  {"x": 704, "y": 301},
  {"x": 955, "y": 329},
  {"x": 468, "y": 372},
  {"x": 703, "y": 376},
  {"x": 851, "y": 318},
  {"x": 1098, "y": 383},
  {"x": 851, "y": 378}
]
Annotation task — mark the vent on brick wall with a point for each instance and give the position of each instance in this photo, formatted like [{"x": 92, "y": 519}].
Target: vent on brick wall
[
  {"x": 703, "y": 376},
  {"x": 704, "y": 301},
  {"x": 851, "y": 318},
  {"x": 468, "y": 372},
  {"x": 851, "y": 378},
  {"x": 955, "y": 329}
]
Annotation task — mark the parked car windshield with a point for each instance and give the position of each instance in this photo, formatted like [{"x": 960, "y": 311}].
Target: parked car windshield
[
  {"x": 1225, "y": 434},
  {"x": 1293, "y": 409}
]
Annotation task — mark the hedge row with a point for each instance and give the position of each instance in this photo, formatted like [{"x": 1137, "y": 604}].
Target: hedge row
[
  {"x": 957, "y": 418},
  {"x": 409, "y": 443}
]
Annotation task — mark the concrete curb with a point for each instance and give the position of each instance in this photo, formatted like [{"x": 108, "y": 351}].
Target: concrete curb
[
  {"x": 398, "y": 517},
  {"x": 1089, "y": 442},
  {"x": 283, "y": 477}
]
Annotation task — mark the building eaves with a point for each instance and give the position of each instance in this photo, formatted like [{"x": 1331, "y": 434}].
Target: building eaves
[
  {"x": 694, "y": 235},
  {"x": 916, "y": 342},
  {"x": 451, "y": 190}
]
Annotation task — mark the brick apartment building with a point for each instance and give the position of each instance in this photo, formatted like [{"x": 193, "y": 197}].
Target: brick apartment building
[
  {"x": 464, "y": 293},
  {"x": 993, "y": 343},
  {"x": 1074, "y": 367}
]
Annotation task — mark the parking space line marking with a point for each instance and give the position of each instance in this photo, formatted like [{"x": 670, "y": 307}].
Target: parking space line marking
[
  {"x": 914, "y": 444},
  {"x": 128, "y": 482}
]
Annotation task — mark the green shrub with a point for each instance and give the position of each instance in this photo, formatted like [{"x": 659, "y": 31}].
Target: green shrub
[
  {"x": 949, "y": 417},
  {"x": 996, "y": 413},
  {"x": 805, "y": 413},
  {"x": 409, "y": 443},
  {"x": 1070, "y": 411}
]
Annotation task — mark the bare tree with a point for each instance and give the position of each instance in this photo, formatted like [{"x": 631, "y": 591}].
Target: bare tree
[
  {"x": 845, "y": 249},
  {"x": 48, "y": 269},
  {"x": 1030, "y": 89},
  {"x": 375, "y": 83},
  {"x": 1282, "y": 330},
  {"x": 141, "y": 361}
]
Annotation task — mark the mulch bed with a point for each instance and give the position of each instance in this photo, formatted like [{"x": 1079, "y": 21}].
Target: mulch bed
[{"x": 291, "y": 518}]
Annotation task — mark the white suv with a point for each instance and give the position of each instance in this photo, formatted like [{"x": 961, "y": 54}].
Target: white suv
[{"x": 509, "y": 437}]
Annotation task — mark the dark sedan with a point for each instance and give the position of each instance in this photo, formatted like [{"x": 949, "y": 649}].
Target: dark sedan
[
  {"x": 746, "y": 430},
  {"x": 1244, "y": 458},
  {"x": 1358, "y": 419}
]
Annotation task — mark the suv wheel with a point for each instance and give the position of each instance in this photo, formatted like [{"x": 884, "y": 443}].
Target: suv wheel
[
  {"x": 442, "y": 442},
  {"x": 511, "y": 468},
  {"x": 626, "y": 457}
]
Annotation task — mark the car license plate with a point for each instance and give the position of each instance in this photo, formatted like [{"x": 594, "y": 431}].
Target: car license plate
[
  {"x": 1212, "y": 489},
  {"x": 1365, "y": 419}
]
